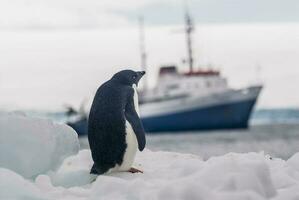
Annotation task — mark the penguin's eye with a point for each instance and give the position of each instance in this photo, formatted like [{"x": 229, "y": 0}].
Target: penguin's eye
[{"x": 134, "y": 76}]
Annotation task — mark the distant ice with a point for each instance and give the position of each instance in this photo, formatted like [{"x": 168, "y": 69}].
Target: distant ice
[{"x": 31, "y": 146}]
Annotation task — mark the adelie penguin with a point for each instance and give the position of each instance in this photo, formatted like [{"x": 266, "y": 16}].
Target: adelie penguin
[{"x": 115, "y": 130}]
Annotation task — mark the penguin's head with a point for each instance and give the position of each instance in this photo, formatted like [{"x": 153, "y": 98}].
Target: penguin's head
[{"x": 128, "y": 77}]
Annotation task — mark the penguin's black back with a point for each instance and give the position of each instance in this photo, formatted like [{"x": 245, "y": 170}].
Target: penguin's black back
[{"x": 107, "y": 126}]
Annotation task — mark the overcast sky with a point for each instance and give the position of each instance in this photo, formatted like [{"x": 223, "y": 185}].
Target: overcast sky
[
  {"x": 106, "y": 13},
  {"x": 219, "y": 11}
]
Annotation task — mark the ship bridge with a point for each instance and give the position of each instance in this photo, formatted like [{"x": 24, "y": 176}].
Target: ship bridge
[{"x": 173, "y": 84}]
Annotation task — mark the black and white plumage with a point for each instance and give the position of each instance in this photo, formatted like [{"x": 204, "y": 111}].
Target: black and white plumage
[{"x": 114, "y": 127}]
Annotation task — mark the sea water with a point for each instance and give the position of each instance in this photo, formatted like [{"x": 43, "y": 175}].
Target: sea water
[
  {"x": 277, "y": 140},
  {"x": 273, "y": 131}
]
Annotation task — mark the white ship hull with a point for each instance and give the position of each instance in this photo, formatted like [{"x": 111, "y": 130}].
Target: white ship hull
[{"x": 228, "y": 109}]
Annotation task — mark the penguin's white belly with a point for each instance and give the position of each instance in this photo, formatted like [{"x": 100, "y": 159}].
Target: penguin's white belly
[
  {"x": 131, "y": 139},
  {"x": 136, "y": 104},
  {"x": 131, "y": 150}
]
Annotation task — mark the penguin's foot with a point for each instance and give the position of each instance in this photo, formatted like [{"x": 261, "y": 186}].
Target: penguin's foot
[{"x": 134, "y": 170}]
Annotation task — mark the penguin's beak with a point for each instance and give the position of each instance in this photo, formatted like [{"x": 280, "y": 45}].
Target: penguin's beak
[{"x": 140, "y": 74}]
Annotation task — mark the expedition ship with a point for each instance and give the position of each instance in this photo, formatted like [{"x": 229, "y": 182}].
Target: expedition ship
[{"x": 198, "y": 100}]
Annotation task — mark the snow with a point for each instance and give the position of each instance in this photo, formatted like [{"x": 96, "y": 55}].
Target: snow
[
  {"x": 74, "y": 171},
  {"x": 31, "y": 146},
  {"x": 167, "y": 175},
  {"x": 180, "y": 176},
  {"x": 170, "y": 175},
  {"x": 14, "y": 186}
]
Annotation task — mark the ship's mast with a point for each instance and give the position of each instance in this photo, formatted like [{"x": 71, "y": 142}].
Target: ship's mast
[
  {"x": 143, "y": 55},
  {"x": 189, "y": 28}
]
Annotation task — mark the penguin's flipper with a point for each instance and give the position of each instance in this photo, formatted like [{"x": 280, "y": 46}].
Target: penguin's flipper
[{"x": 134, "y": 120}]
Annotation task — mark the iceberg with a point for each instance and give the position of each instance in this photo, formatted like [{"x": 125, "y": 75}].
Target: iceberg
[{"x": 31, "y": 146}]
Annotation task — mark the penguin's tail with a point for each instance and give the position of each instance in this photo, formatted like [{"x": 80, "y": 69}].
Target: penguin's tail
[
  {"x": 93, "y": 170},
  {"x": 97, "y": 170}
]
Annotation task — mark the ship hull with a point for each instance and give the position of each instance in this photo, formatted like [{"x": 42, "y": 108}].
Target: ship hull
[
  {"x": 227, "y": 110},
  {"x": 226, "y": 116}
]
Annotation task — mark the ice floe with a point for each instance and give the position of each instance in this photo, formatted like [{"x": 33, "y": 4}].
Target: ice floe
[
  {"x": 40, "y": 160},
  {"x": 31, "y": 146}
]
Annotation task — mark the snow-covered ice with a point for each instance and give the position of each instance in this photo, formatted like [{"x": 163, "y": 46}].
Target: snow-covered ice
[
  {"x": 31, "y": 146},
  {"x": 14, "y": 186},
  {"x": 167, "y": 175}
]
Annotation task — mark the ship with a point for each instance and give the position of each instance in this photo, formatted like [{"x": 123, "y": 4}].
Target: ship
[{"x": 199, "y": 99}]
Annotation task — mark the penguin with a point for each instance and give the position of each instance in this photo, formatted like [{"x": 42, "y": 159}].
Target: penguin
[{"x": 115, "y": 131}]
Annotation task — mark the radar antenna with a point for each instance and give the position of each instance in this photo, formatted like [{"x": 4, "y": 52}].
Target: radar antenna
[
  {"x": 143, "y": 55},
  {"x": 189, "y": 28}
]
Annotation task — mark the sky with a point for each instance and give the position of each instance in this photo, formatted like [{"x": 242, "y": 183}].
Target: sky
[
  {"x": 58, "y": 52},
  {"x": 105, "y": 13}
]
